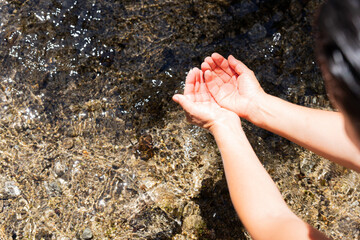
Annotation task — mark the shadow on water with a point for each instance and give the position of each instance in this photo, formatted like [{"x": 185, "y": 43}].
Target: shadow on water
[
  {"x": 90, "y": 136},
  {"x": 218, "y": 212}
]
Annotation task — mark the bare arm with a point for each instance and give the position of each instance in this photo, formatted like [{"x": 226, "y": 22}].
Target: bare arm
[
  {"x": 236, "y": 88},
  {"x": 322, "y": 132},
  {"x": 255, "y": 196}
]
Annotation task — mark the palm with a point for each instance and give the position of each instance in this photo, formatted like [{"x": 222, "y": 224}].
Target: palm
[
  {"x": 225, "y": 93},
  {"x": 203, "y": 109},
  {"x": 230, "y": 83}
]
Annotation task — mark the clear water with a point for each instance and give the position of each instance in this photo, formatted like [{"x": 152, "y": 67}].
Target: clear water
[{"x": 92, "y": 140}]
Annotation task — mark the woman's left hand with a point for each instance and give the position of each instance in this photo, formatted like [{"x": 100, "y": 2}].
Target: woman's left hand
[{"x": 200, "y": 107}]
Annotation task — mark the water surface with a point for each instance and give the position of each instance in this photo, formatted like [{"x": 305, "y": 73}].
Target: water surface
[{"x": 91, "y": 141}]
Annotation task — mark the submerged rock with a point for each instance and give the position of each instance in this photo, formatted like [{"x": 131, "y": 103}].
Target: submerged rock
[
  {"x": 144, "y": 148},
  {"x": 193, "y": 225},
  {"x": 60, "y": 168},
  {"x": 53, "y": 188},
  {"x": 257, "y": 32},
  {"x": 8, "y": 189},
  {"x": 87, "y": 234}
]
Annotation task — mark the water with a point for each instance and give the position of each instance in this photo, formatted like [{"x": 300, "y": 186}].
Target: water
[{"x": 91, "y": 138}]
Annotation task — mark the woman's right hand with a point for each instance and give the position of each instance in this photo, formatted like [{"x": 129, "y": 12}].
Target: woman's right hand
[
  {"x": 200, "y": 108},
  {"x": 233, "y": 86}
]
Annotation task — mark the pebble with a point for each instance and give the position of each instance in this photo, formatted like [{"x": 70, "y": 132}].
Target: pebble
[
  {"x": 257, "y": 32},
  {"x": 87, "y": 234},
  {"x": 53, "y": 189},
  {"x": 193, "y": 223},
  {"x": 295, "y": 9},
  {"x": 59, "y": 169},
  {"x": 8, "y": 189},
  {"x": 68, "y": 143},
  {"x": 307, "y": 166},
  {"x": 11, "y": 189}
]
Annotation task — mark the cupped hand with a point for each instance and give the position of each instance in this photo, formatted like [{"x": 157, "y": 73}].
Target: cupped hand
[
  {"x": 200, "y": 107},
  {"x": 232, "y": 84}
]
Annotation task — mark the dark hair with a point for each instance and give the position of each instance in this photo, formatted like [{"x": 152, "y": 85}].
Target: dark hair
[{"x": 338, "y": 52}]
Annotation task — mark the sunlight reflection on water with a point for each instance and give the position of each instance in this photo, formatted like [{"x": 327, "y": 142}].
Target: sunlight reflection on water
[{"x": 82, "y": 82}]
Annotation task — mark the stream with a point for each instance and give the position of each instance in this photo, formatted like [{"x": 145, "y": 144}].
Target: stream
[{"x": 93, "y": 147}]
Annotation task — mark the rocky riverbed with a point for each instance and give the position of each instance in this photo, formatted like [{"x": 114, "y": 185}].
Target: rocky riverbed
[{"x": 92, "y": 147}]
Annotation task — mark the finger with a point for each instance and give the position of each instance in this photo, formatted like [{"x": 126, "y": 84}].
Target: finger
[
  {"x": 222, "y": 69},
  {"x": 223, "y": 66},
  {"x": 199, "y": 85},
  {"x": 204, "y": 92},
  {"x": 211, "y": 63},
  {"x": 206, "y": 95},
  {"x": 197, "y": 80},
  {"x": 237, "y": 65},
  {"x": 201, "y": 76},
  {"x": 212, "y": 85},
  {"x": 184, "y": 102},
  {"x": 190, "y": 83},
  {"x": 217, "y": 88},
  {"x": 213, "y": 77},
  {"x": 205, "y": 66}
]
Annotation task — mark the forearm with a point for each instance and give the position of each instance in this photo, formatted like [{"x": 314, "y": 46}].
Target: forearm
[
  {"x": 320, "y": 131},
  {"x": 255, "y": 196}
]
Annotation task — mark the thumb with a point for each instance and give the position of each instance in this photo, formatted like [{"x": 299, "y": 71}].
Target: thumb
[
  {"x": 183, "y": 101},
  {"x": 237, "y": 65}
]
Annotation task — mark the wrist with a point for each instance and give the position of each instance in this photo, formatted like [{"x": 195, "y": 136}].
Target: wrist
[
  {"x": 259, "y": 109},
  {"x": 226, "y": 127}
]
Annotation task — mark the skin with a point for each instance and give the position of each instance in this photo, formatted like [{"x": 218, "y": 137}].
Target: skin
[
  {"x": 198, "y": 102},
  {"x": 235, "y": 87},
  {"x": 255, "y": 196}
]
